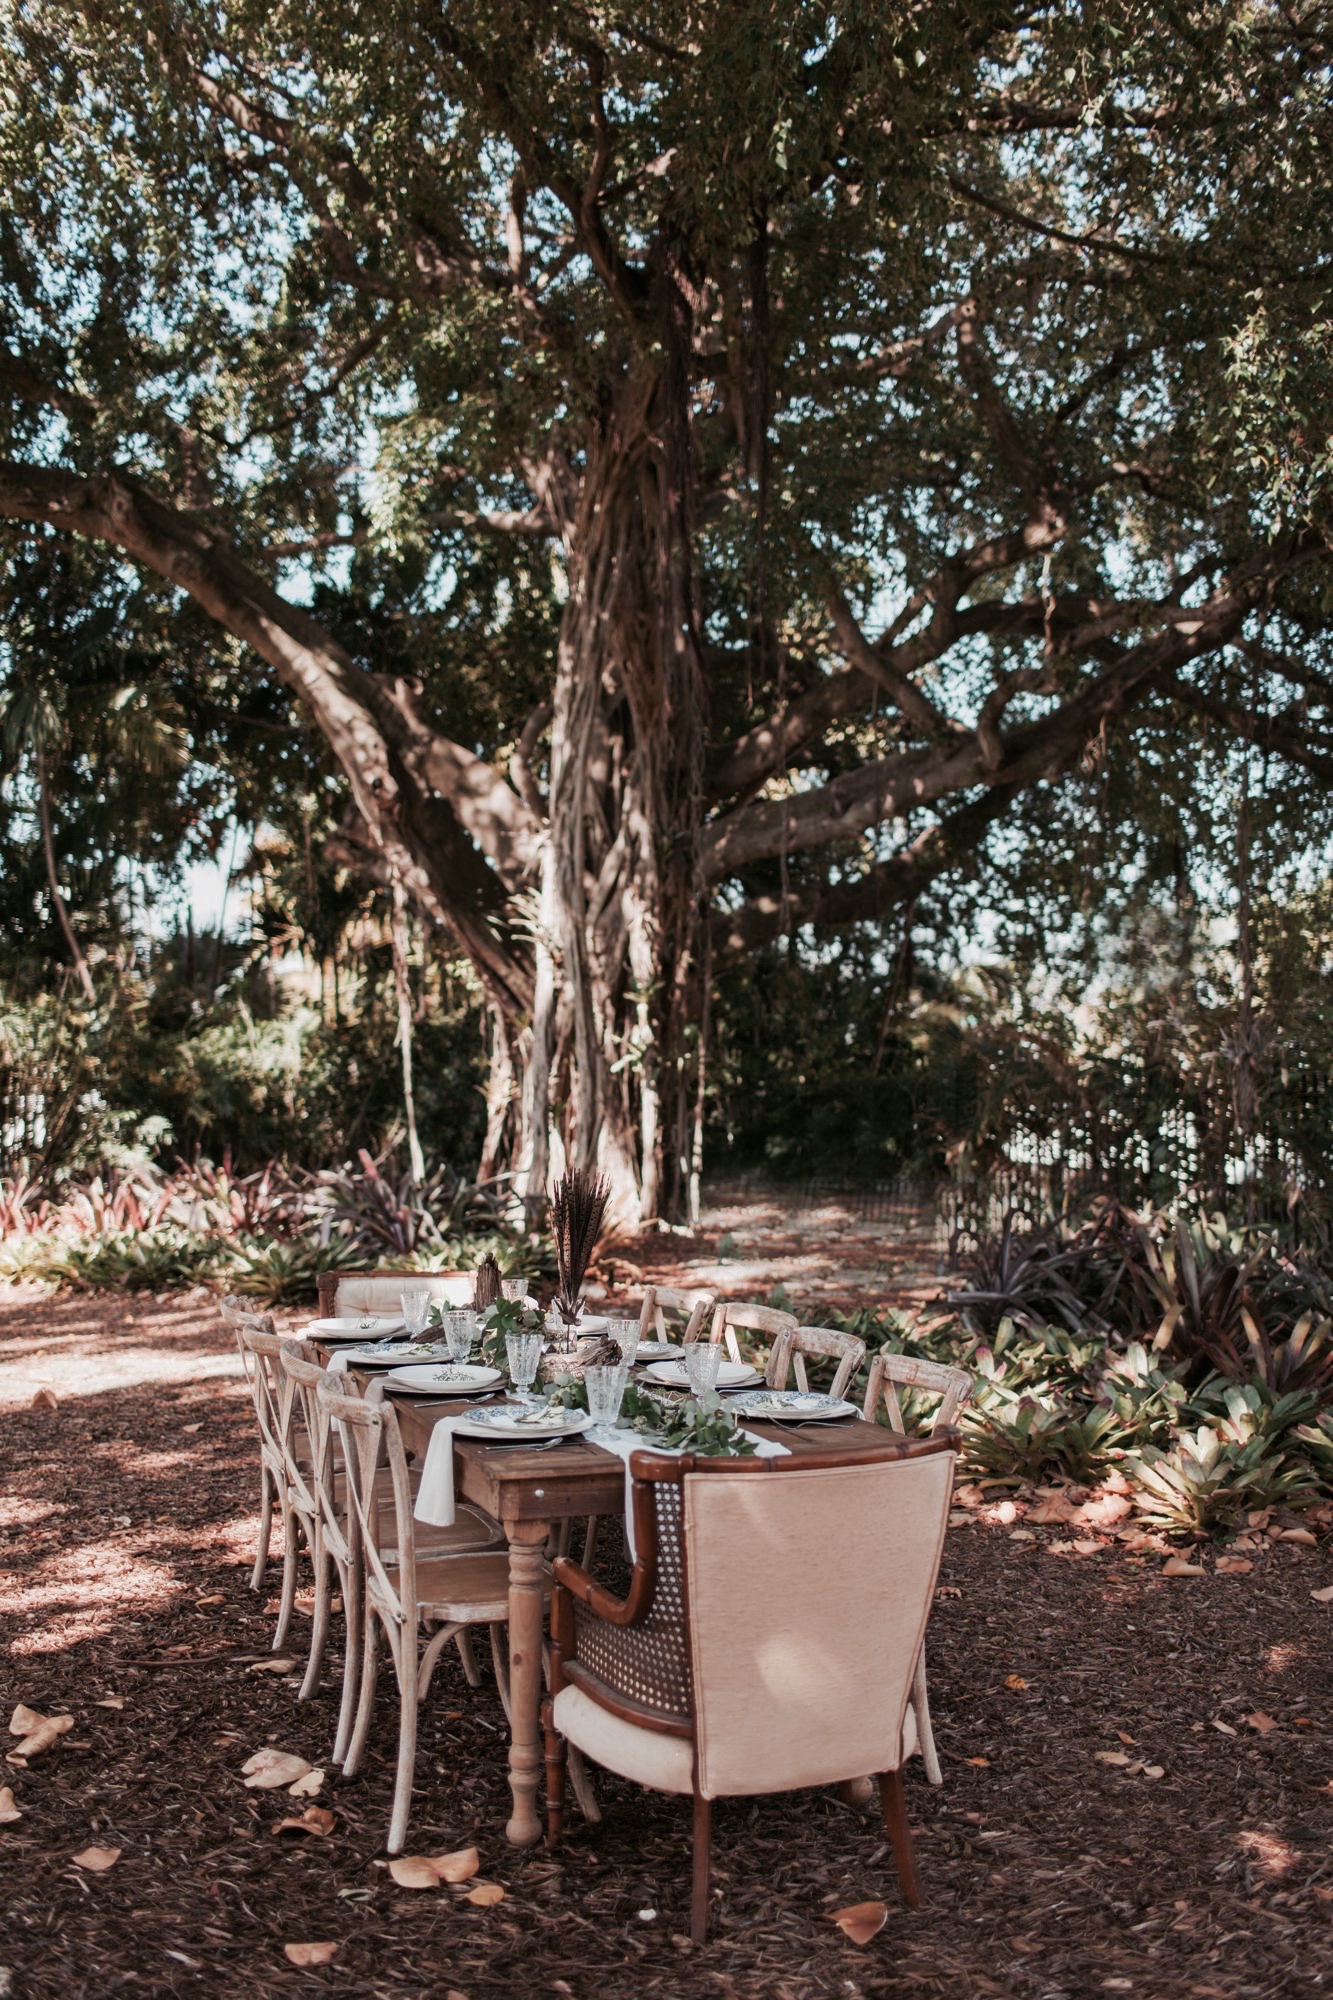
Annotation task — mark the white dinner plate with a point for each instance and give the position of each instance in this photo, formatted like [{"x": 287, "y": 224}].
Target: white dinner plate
[
  {"x": 787, "y": 1406},
  {"x": 445, "y": 1378},
  {"x": 658, "y": 1350},
  {"x": 356, "y": 1326},
  {"x": 508, "y": 1420},
  {"x": 730, "y": 1375},
  {"x": 584, "y": 1327},
  {"x": 395, "y": 1354}
]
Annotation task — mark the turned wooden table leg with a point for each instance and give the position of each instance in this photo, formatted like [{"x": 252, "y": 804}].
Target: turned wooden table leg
[{"x": 527, "y": 1542}]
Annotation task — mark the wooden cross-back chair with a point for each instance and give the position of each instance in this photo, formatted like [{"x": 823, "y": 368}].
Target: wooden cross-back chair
[
  {"x": 337, "y": 1543},
  {"x": 408, "y": 1595},
  {"x": 349, "y": 1292},
  {"x": 953, "y": 1386},
  {"x": 731, "y": 1315},
  {"x": 792, "y": 1350},
  {"x": 659, "y": 1300},
  {"x": 284, "y": 1455},
  {"x": 741, "y": 1661}
]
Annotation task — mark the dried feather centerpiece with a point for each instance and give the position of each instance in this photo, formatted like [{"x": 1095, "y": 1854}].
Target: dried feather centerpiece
[
  {"x": 485, "y": 1283},
  {"x": 578, "y": 1204}
]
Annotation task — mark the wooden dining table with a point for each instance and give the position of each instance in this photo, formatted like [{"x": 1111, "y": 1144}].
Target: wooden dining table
[{"x": 531, "y": 1492}]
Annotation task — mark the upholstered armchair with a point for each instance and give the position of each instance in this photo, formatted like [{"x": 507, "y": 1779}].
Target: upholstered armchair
[{"x": 743, "y": 1661}]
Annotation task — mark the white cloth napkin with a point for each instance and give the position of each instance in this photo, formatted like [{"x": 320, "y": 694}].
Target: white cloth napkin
[
  {"x": 435, "y": 1495},
  {"x": 622, "y": 1443}
]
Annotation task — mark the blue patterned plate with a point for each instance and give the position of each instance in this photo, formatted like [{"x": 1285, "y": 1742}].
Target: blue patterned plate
[{"x": 789, "y": 1406}]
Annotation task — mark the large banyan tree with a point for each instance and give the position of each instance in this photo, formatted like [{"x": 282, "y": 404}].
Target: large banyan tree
[{"x": 859, "y": 416}]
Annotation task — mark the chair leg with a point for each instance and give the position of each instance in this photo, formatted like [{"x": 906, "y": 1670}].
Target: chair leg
[
  {"x": 287, "y": 1602},
  {"x": 500, "y": 1661},
  {"x": 555, "y": 1776},
  {"x": 702, "y": 1869},
  {"x": 581, "y": 1784},
  {"x": 463, "y": 1641},
  {"x": 260, "y": 1570},
  {"x": 900, "y": 1835},
  {"x": 590, "y": 1540},
  {"x": 406, "y": 1669},
  {"x": 319, "y": 1623},
  {"x": 354, "y": 1640},
  {"x": 365, "y": 1707},
  {"x": 925, "y": 1734}
]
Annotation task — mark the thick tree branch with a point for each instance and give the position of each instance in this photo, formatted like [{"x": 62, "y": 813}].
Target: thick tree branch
[
  {"x": 868, "y": 898},
  {"x": 389, "y": 757},
  {"x": 885, "y": 789}
]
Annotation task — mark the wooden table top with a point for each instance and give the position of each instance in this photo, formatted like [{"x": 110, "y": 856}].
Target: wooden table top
[{"x": 574, "y": 1478}]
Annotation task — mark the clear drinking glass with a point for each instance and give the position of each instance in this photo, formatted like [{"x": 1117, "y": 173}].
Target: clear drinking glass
[
  {"x": 525, "y": 1352},
  {"x": 605, "y": 1386},
  {"x": 703, "y": 1358},
  {"x": 625, "y": 1333},
  {"x": 514, "y": 1289},
  {"x": 461, "y": 1330},
  {"x": 415, "y": 1301}
]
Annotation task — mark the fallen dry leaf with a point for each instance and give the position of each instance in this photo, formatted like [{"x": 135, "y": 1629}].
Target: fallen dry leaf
[
  {"x": 190, "y": 1429},
  {"x": 1116, "y": 1757},
  {"x": 1233, "y": 1565},
  {"x": 485, "y": 1895},
  {"x": 414, "y": 1871},
  {"x": 1324, "y": 1596},
  {"x": 862, "y": 1921},
  {"x": 24, "y": 1720},
  {"x": 110, "y": 1701},
  {"x": 97, "y": 1859},
  {"x": 1015, "y": 1681},
  {"x": 307, "y": 1786},
  {"x": 214, "y": 1597},
  {"x": 1177, "y": 1566},
  {"x": 9, "y": 1812},
  {"x": 978, "y": 1763},
  {"x": 1126, "y": 1739},
  {"x": 315, "y": 1819},
  {"x": 1056, "y": 1510},
  {"x": 1261, "y": 1723},
  {"x": 268, "y": 1769},
  {"x": 1105, "y": 1511},
  {"x": 1299, "y": 1535},
  {"x": 1086, "y": 1547},
  {"x": 310, "y": 1954},
  {"x": 48, "y": 1729},
  {"x": 1222, "y": 1728},
  {"x": 1021, "y": 1535},
  {"x": 460, "y": 1866},
  {"x": 45, "y": 1399},
  {"x": 278, "y": 1666}
]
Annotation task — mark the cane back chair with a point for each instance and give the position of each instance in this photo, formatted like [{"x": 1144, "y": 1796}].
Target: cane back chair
[
  {"x": 742, "y": 1661},
  {"x": 888, "y": 1374}
]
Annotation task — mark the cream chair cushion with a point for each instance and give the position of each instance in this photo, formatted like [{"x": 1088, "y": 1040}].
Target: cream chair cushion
[
  {"x": 663, "y": 1763},
  {"x": 803, "y": 1664},
  {"x": 361, "y": 1292}
]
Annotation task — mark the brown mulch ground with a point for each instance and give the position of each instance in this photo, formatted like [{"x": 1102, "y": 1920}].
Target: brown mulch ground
[{"x": 128, "y": 1516}]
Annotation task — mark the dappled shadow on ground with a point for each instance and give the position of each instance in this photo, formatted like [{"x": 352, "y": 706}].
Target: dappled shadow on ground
[{"x": 1049, "y": 1875}]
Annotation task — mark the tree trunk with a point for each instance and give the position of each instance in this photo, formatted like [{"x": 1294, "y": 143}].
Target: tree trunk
[
  {"x": 58, "y": 903},
  {"x": 607, "y": 1070},
  {"x": 403, "y": 994}
]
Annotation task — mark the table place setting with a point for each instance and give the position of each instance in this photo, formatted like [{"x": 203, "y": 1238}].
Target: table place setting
[{"x": 779, "y": 1406}]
